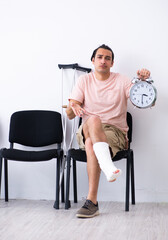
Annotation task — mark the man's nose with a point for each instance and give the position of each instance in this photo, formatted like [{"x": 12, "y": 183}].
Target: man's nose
[{"x": 103, "y": 60}]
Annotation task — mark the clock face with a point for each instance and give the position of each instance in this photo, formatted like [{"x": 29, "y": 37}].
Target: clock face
[{"x": 143, "y": 94}]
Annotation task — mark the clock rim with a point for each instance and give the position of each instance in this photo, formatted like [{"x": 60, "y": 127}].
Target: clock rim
[{"x": 154, "y": 100}]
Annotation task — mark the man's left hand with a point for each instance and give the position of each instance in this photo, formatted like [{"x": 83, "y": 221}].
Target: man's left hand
[{"x": 143, "y": 74}]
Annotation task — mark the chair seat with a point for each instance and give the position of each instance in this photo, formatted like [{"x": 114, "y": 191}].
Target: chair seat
[
  {"x": 80, "y": 154},
  {"x": 30, "y": 156},
  {"x": 121, "y": 154}
]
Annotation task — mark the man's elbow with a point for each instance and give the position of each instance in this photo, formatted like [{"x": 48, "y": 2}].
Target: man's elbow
[{"x": 70, "y": 114}]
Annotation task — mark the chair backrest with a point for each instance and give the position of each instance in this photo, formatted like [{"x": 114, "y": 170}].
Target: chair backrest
[
  {"x": 36, "y": 128},
  {"x": 129, "y": 122}
]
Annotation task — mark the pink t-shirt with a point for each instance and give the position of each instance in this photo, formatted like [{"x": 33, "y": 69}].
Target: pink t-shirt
[{"x": 106, "y": 99}]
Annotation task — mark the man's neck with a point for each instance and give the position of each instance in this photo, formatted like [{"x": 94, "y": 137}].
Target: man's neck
[{"x": 102, "y": 76}]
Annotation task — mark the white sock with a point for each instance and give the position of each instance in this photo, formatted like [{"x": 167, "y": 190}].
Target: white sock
[{"x": 102, "y": 152}]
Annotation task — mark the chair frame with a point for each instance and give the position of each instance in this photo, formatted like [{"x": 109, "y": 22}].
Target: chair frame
[
  {"x": 124, "y": 154},
  {"x": 58, "y": 168}
]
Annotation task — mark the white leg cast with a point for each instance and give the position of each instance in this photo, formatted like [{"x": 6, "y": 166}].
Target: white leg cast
[{"x": 102, "y": 152}]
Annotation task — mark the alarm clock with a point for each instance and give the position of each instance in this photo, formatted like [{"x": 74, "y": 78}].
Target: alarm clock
[{"x": 143, "y": 94}]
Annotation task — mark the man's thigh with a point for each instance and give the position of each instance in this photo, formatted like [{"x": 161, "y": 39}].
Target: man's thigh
[
  {"x": 115, "y": 138},
  {"x": 80, "y": 137}
]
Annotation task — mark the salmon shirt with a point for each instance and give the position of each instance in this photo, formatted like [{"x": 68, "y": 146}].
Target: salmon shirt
[{"x": 106, "y": 99}]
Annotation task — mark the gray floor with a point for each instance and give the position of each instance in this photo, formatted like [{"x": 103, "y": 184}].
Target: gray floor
[{"x": 38, "y": 220}]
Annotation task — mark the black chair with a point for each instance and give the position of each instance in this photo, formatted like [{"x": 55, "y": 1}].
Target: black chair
[
  {"x": 80, "y": 155},
  {"x": 36, "y": 128}
]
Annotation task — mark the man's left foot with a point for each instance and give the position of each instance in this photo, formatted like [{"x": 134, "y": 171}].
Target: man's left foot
[{"x": 88, "y": 210}]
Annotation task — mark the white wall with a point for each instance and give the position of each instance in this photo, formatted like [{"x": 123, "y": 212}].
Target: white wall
[{"x": 36, "y": 35}]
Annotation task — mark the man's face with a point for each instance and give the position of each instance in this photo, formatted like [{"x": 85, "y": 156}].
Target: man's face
[{"x": 103, "y": 60}]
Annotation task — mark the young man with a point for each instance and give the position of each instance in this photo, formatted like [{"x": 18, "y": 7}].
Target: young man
[{"x": 100, "y": 98}]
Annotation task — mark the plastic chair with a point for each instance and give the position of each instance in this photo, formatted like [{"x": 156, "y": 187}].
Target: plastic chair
[
  {"x": 36, "y": 128},
  {"x": 80, "y": 155}
]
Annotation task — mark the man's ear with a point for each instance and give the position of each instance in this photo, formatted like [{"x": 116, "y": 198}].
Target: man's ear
[
  {"x": 112, "y": 63},
  {"x": 93, "y": 59}
]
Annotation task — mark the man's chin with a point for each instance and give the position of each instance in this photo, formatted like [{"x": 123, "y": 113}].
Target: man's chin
[{"x": 103, "y": 70}]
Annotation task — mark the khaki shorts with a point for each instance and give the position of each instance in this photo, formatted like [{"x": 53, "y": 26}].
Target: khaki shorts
[{"x": 116, "y": 138}]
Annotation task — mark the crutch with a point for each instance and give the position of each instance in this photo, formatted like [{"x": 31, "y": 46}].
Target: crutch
[{"x": 66, "y": 146}]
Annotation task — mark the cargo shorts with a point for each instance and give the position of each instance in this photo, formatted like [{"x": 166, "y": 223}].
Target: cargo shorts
[{"x": 116, "y": 138}]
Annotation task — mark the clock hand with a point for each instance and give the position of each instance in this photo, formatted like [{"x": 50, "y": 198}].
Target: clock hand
[
  {"x": 143, "y": 94},
  {"x": 142, "y": 99}
]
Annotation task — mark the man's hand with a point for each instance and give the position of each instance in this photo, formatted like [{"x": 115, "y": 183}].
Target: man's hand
[
  {"x": 143, "y": 74},
  {"x": 77, "y": 109},
  {"x": 74, "y": 109}
]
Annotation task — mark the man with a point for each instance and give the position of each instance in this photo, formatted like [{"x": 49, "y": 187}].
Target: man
[{"x": 100, "y": 98}]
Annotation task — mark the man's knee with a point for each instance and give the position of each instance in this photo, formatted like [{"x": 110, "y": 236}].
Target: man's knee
[{"x": 93, "y": 121}]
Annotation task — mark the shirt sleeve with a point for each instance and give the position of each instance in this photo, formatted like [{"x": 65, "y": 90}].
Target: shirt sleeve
[
  {"x": 78, "y": 90},
  {"x": 128, "y": 85}
]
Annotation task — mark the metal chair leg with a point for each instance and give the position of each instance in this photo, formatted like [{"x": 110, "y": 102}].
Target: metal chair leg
[
  {"x": 6, "y": 179},
  {"x": 56, "y": 204},
  {"x": 74, "y": 182},
  {"x": 62, "y": 181},
  {"x": 62, "y": 190},
  {"x": 1, "y": 160},
  {"x": 132, "y": 179},
  {"x": 127, "y": 183}
]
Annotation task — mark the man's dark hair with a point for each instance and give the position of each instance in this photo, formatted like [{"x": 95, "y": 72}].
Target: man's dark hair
[{"x": 104, "y": 47}]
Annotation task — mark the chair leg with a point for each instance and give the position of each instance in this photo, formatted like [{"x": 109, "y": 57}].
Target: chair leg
[
  {"x": 127, "y": 183},
  {"x": 6, "y": 179},
  {"x": 67, "y": 202},
  {"x": 74, "y": 182},
  {"x": 62, "y": 190},
  {"x": 132, "y": 179},
  {"x": 0, "y": 173},
  {"x": 56, "y": 204},
  {"x": 62, "y": 184}
]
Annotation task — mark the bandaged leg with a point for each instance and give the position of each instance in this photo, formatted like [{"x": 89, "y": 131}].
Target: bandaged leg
[{"x": 102, "y": 152}]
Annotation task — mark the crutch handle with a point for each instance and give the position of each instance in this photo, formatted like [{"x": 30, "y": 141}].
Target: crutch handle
[
  {"x": 74, "y": 66},
  {"x": 83, "y": 69},
  {"x": 67, "y": 66},
  {"x": 64, "y": 106}
]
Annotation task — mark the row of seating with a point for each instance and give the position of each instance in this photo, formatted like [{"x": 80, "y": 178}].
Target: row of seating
[{"x": 43, "y": 128}]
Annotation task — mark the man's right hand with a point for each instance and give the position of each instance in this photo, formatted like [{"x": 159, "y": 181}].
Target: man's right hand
[{"x": 77, "y": 109}]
